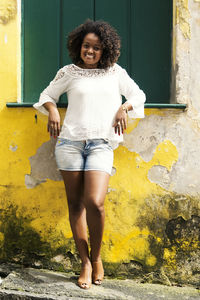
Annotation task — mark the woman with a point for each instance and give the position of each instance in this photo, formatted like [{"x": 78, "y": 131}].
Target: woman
[{"x": 92, "y": 128}]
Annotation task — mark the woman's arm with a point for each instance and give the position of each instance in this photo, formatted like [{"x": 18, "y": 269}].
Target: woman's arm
[
  {"x": 53, "y": 91},
  {"x": 120, "y": 123},
  {"x": 53, "y": 125},
  {"x": 134, "y": 106},
  {"x": 48, "y": 99}
]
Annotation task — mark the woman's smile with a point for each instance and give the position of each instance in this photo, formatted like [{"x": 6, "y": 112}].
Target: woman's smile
[{"x": 89, "y": 56}]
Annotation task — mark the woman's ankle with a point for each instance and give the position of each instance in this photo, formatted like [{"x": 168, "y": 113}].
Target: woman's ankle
[
  {"x": 95, "y": 258},
  {"x": 86, "y": 262}
]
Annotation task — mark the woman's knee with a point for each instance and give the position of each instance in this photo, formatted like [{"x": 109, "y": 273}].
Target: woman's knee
[
  {"x": 75, "y": 206},
  {"x": 94, "y": 206}
]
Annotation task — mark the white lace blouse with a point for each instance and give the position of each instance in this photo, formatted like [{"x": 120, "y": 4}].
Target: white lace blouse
[{"x": 94, "y": 97}]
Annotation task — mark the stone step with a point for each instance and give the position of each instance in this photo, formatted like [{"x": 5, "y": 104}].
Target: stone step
[{"x": 29, "y": 283}]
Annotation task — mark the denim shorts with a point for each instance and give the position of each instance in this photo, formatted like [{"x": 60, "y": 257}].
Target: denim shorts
[{"x": 95, "y": 154}]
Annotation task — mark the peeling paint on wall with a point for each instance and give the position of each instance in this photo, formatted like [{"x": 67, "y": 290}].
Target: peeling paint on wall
[
  {"x": 43, "y": 166},
  {"x": 182, "y": 17},
  {"x": 13, "y": 147},
  {"x": 8, "y": 10},
  {"x": 174, "y": 128}
]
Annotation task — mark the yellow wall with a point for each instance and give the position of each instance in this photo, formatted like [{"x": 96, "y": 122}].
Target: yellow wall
[{"x": 34, "y": 221}]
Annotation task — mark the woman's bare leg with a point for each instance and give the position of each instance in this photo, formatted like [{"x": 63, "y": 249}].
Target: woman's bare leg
[
  {"x": 95, "y": 188},
  {"x": 74, "y": 185}
]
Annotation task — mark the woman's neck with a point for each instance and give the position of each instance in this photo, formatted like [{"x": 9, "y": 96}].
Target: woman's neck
[{"x": 84, "y": 66}]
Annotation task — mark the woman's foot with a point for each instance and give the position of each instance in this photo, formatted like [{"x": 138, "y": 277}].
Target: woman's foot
[
  {"x": 97, "y": 272},
  {"x": 85, "y": 278}
]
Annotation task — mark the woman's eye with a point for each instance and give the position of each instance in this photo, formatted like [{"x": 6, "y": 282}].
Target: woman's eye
[
  {"x": 85, "y": 45},
  {"x": 96, "y": 48}
]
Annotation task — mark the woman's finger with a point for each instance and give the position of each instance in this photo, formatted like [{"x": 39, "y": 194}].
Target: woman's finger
[
  {"x": 51, "y": 129},
  {"x": 119, "y": 127},
  {"x": 122, "y": 126},
  {"x": 125, "y": 122},
  {"x": 116, "y": 126},
  {"x": 58, "y": 129},
  {"x": 55, "y": 130},
  {"x": 115, "y": 123}
]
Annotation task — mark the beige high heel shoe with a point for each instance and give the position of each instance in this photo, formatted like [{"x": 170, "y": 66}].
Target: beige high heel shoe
[
  {"x": 84, "y": 281},
  {"x": 97, "y": 272}
]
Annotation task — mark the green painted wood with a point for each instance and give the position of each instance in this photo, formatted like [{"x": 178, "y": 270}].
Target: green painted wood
[
  {"x": 73, "y": 13},
  {"x": 41, "y": 40},
  {"x": 165, "y": 105},
  {"x": 117, "y": 13},
  {"x": 151, "y": 26},
  {"x": 144, "y": 27}
]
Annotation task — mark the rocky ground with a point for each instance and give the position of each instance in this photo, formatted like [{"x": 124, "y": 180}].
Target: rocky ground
[{"x": 27, "y": 283}]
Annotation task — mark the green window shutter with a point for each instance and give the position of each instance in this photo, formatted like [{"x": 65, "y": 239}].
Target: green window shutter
[
  {"x": 151, "y": 30},
  {"x": 145, "y": 30},
  {"x": 41, "y": 46}
]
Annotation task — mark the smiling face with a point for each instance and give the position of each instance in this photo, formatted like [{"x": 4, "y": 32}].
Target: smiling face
[{"x": 91, "y": 51}]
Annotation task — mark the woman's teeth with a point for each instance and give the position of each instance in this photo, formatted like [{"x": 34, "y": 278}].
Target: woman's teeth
[{"x": 89, "y": 56}]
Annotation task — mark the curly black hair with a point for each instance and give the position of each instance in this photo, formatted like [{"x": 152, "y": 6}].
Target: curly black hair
[{"x": 108, "y": 36}]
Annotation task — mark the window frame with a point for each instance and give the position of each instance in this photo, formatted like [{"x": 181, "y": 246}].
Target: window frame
[{"x": 21, "y": 102}]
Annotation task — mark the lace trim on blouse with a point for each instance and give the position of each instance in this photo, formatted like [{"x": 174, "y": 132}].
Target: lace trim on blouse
[
  {"x": 59, "y": 75},
  {"x": 77, "y": 72}
]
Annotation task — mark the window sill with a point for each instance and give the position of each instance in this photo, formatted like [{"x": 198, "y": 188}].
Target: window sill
[
  {"x": 147, "y": 105},
  {"x": 17, "y": 104},
  {"x": 165, "y": 105}
]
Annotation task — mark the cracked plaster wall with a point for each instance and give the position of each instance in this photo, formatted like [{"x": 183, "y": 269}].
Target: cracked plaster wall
[
  {"x": 187, "y": 56},
  {"x": 43, "y": 165},
  {"x": 183, "y": 177},
  {"x": 8, "y": 10}
]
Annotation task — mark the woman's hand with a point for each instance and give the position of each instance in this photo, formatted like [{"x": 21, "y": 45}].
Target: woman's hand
[
  {"x": 53, "y": 125},
  {"x": 120, "y": 122}
]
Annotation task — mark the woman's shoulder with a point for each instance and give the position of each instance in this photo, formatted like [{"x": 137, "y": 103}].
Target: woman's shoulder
[
  {"x": 119, "y": 68},
  {"x": 61, "y": 73}
]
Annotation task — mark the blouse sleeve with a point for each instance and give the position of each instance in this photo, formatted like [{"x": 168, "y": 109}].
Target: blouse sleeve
[
  {"x": 55, "y": 89},
  {"x": 134, "y": 95}
]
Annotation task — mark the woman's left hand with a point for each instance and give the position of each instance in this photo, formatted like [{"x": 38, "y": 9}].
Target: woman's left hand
[{"x": 120, "y": 122}]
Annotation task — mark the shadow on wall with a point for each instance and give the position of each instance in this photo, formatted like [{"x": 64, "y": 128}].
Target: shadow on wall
[{"x": 20, "y": 243}]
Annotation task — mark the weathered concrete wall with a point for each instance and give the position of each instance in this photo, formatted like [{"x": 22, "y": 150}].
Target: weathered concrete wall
[{"x": 153, "y": 201}]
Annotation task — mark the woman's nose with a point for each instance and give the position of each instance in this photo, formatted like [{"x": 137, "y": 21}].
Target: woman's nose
[{"x": 90, "y": 50}]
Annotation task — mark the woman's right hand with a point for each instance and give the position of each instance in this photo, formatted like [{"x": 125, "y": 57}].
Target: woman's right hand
[
  {"x": 53, "y": 126},
  {"x": 54, "y": 123}
]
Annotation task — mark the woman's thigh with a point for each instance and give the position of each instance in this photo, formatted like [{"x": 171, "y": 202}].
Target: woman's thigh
[
  {"x": 74, "y": 184},
  {"x": 95, "y": 187}
]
